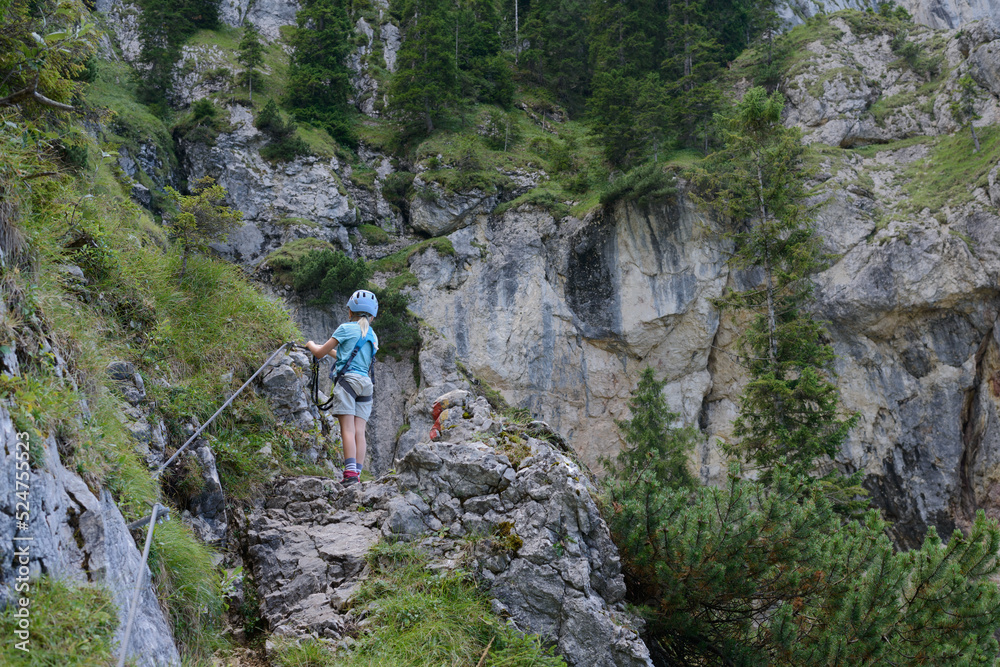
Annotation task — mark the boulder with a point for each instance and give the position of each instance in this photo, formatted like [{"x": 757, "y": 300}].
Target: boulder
[{"x": 437, "y": 212}]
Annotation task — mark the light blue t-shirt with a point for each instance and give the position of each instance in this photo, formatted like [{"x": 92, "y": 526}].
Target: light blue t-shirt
[{"x": 348, "y": 334}]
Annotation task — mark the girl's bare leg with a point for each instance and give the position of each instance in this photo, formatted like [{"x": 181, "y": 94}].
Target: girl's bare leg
[
  {"x": 347, "y": 436},
  {"x": 359, "y": 438}
]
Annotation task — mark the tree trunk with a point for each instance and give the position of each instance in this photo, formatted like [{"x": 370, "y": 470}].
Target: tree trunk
[
  {"x": 975, "y": 138},
  {"x": 427, "y": 115},
  {"x": 517, "y": 38},
  {"x": 772, "y": 342}
]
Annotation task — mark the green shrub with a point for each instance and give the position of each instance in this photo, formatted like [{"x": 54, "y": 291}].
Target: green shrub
[
  {"x": 202, "y": 125},
  {"x": 283, "y": 145},
  {"x": 397, "y": 188},
  {"x": 328, "y": 275},
  {"x": 396, "y": 327},
  {"x": 643, "y": 185},
  {"x": 283, "y": 260}
]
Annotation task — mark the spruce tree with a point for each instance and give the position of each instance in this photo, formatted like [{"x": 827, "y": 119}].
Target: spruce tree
[
  {"x": 653, "y": 444},
  {"x": 691, "y": 67},
  {"x": 250, "y": 55},
  {"x": 318, "y": 80},
  {"x": 624, "y": 49},
  {"x": 789, "y": 408},
  {"x": 484, "y": 74},
  {"x": 556, "y": 34},
  {"x": 425, "y": 85}
]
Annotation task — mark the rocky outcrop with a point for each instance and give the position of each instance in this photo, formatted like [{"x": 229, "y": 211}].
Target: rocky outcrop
[
  {"x": 280, "y": 202},
  {"x": 541, "y": 548},
  {"x": 205, "y": 511},
  {"x": 939, "y": 14},
  {"x": 201, "y": 71},
  {"x": 437, "y": 212},
  {"x": 951, "y": 13},
  {"x": 560, "y": 315},
  {"x": 122, "y": 19},
  {"x": 76, "y": 535},
  {"x": 851, "y": 89},
  {"x": 267, "y": 15}
]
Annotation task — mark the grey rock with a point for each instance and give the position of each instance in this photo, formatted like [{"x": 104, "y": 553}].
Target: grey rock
[
  {"x": 267, "y": 15},
  {"x": 391, "y": 42},
  {"x": 437, "y": 212},
  {"x": 142, "y": 195},
  {"x": 280, "y": 203},
  {"x": 541, "y": 548},
  {"x": 206, "y": 510},
  {"x": 128, "y": 381},
  {"x": 940, "y": 14},
  {"x": 286, "y": 385},
  {"x": 984, "y": 66},
  {"x": 80, "y": 538}
]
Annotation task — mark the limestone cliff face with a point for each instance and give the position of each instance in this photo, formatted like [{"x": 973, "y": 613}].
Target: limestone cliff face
[
  {"x": 931, "y": 13},
  {"x": 561, "y": 315}
]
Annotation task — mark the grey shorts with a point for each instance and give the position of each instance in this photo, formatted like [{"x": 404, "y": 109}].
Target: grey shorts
[{"x": 343, "y": 404}]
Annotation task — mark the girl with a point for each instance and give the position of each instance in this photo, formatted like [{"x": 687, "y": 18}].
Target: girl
[{"x": 352, "y": 389}]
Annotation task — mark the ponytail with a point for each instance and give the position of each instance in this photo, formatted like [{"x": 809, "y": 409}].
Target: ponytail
[{"x": 363, "y": 323}]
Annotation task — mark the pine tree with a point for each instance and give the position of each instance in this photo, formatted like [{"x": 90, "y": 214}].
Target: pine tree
[
  {"x": 250, "y": 55},
  {"x": 789, "y": 408},
  {"x": 318, "y": 80},
  {"x": 425, "y": 84},
  {"x": 691, "y": 67},
  {"x": 755, "y": 574},
  {"x": 200, "y": 218}
]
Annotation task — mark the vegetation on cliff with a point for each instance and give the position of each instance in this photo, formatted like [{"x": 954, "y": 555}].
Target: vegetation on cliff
[{"x": 785, "y": 568}]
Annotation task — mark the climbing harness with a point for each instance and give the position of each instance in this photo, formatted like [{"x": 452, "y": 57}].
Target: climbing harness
[{"x": 160, "y": 510}]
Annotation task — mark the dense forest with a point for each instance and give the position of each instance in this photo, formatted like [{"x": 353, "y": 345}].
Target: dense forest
[{"x": 786, "y": 563}]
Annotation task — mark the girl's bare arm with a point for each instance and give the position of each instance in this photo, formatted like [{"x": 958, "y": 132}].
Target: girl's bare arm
[{"x": 320, "y": 351}]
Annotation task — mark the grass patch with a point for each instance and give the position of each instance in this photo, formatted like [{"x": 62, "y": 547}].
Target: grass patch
[
  {"x": 543, "y": 197},
  {"x": 363, "y": 176},
  {"x": 70, "y": 625},
  {"x": 247, "y": 461},
  {"x": 189, "y": 583},
  {"x": 951, "y": 172},
  {"x": 373, "y": 235},
  {"x": 399, "y": 262},
  {"x": 419, "y": 617}
]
